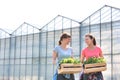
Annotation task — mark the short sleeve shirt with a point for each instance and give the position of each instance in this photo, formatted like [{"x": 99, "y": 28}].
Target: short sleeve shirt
[
  {"x": 91, "y": 53},
  {"x": 63, "y": 53}
]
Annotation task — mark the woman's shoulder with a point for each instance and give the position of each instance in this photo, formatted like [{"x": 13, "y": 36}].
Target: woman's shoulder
[
  {"x": 84, "y": 49},
  {"x": 98, "y": 47},
  {"x": 56, "y": 47}
]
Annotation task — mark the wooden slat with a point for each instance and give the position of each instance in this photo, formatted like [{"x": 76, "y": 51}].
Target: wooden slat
[
  {"x": 95, "y": 65},
  {"x": 70, "y": 68},
  {"x": 70, "y": 65},
  {"x": 97, "y": 69}
]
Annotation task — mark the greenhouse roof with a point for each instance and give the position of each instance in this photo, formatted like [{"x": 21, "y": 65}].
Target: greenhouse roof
[{"x": 104, "y": 14}]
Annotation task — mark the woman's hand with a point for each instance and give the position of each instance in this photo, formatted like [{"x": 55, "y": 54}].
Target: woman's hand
[{"x": 82, "y": 58}]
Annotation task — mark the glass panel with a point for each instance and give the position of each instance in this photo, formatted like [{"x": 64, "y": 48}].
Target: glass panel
[
  {"x": 29, "y": 45},
  {"x": 35, "y": 72},
  {"x": 58, "y": 23},
  {"x": 12, "y": 47},
  {"x": 2, "y": 54},
  {"x": 11, "y": 72},
  {"x": 17, "y": 61},
  {"x": 116, "y": 38},
  {"x": 16, "y": 72},
  {"x": 95, "y": 18},
  {"x": 1, "y": 72},
  {"x": 43, "y": 45},
  {"x": 66, "y": 30},
  {"x": 107, "y": 74},
  {"x": 84, "y": 30},
  {"x": 67, "y": 23},
  {"x": 29, "y": 61},
  {"x": 50, "y": 44},
  {"x": 51, "y": 26},
  {"x": 1, "y": 62},
  {"x": 35, "y": 61},
  {"x": 23, "y": 61},
  {"x": 49, "y": 71},
  {"x": 42, "y": 72},
  {"x": 36, "y": 46},
  {"x": 12, "y": 61},
  {"x": 75, "y": 41},
  {"x": 116, "y": 64},
  {"x": 7, "y": 42},
  {"x": 6, "y": 72},
  {"x": 6, "y": 61},
  {"x": 23, "y": 47},
  {"x": 105, "y": 15},
  {"x": 75, "y": 24},
  {"x": 95, "y": 31},
  {"x": 28, "y": 72},
  {"x": 115, "y": 15},
  {"x": 57, "y": 36},
  {"x": 18, "y": 46},
  {"x": 22, "y": 72},
  {"x": 106, "y": 38}
]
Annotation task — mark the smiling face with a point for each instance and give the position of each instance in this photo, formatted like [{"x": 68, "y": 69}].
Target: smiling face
[{"x": 88, "y": 40}]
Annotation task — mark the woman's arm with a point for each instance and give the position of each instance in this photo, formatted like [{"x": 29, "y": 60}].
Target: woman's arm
[
  {"x": 82, "y": 58},
  {"x": 54, "y": 56},
  {"x": 101, "y": 53}
]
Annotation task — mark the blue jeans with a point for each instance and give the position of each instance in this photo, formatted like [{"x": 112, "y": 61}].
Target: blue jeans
[{"x": 55, "y": 76}]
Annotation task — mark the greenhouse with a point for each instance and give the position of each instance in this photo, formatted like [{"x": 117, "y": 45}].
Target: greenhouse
[{"x": 26, "y": 53}]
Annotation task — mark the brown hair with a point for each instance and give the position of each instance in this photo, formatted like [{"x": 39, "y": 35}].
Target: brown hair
[
  {"x": 64, "y": 36},
  {"x": 91, "y": 37}
]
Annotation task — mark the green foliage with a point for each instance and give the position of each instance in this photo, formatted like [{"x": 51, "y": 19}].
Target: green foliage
[
  {"x": 70, "y": 60},
  {"x": 95, "y": 60}
]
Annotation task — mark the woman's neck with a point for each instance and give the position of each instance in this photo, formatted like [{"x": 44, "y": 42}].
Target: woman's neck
[
  {"x": 91, "y": 46},
  {"x": 64, "y": 46}
]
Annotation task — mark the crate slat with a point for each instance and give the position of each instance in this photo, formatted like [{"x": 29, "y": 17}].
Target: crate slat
[
  {"x": 97, "y": 69},
  {"x": 95, "y": 65},
  {"x": 70, "y": 68},
  {"x": 71, "y": 65}
]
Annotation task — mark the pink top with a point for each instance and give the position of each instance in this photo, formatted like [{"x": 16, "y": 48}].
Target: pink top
[{"x": 91, "y": 53}]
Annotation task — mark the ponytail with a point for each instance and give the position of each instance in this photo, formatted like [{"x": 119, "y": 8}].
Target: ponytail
[
  {"x": 59, "y": 42},
  {"x": 94, "y": 41}
]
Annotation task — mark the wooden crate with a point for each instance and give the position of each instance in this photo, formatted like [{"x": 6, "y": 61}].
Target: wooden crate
[
  {"x": 69, "y": 68},
  {"x": 96, "y": 67}
]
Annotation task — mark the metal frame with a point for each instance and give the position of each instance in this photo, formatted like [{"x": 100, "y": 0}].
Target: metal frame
[
  {"x": 54, "y": 43},
  {"x": 111, "y": 48},
  {"x": 39, "y": 55},
  {"x": 20, "y": 55},
  {"x": 46, "y": 54}
]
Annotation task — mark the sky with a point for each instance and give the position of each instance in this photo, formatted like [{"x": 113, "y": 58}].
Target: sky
[{"x": 38, "y": 12}]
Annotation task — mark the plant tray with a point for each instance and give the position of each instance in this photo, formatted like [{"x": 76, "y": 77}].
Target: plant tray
[
  {"x": 96, "y": 67},
  {"x": 69, "y": 68}
]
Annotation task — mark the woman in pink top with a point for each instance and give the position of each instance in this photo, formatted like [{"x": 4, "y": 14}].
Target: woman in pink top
[{"x": 91, "y": 51}]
